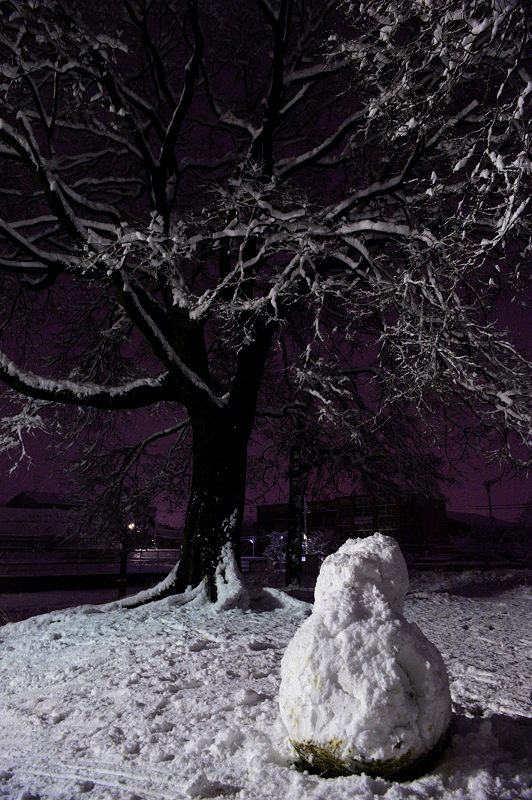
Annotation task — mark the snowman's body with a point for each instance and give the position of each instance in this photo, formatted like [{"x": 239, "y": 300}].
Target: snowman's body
[{"x": 361, "y": 688}]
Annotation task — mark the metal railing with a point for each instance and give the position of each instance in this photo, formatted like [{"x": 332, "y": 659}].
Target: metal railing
[{"x": 84, "y": 561}]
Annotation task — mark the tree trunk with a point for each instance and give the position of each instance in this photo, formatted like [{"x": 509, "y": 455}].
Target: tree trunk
[
  {"x": 297, "y": 487},
  {"x": 216, "y": 505},
  {"x": 215, "y": 508}
]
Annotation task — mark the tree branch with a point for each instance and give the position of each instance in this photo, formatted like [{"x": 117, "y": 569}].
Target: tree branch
[{"x": 135, "y": 394}]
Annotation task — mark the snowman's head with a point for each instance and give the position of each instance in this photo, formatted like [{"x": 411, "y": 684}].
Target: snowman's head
[{"x": 369, "y": 570}]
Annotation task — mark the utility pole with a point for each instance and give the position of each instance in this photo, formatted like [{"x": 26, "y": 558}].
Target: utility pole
[{"x": 487, "y": 485}]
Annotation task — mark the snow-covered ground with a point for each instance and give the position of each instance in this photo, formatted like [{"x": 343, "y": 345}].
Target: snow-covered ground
[{"x": 167, "y": 702}]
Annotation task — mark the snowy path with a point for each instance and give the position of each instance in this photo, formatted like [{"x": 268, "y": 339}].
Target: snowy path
[{"x": 165, "y": 703}]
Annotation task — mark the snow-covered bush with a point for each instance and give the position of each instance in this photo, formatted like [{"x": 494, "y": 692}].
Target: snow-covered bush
[{"x": 362, "y": 689}]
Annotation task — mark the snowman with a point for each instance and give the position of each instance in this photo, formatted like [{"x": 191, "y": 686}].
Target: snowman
[{"x": 362, "y": 689}]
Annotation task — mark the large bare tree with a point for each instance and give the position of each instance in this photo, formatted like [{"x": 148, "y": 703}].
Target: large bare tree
[{"x": 182, "y": 182}]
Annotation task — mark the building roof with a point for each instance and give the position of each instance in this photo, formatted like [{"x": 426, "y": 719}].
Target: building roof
[{"x": 41, "y": 500}]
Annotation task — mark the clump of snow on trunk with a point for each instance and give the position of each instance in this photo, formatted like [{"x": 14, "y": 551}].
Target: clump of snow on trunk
[
  {"x": 230, "y": 589},
  {"x": 362, "y": 689}
]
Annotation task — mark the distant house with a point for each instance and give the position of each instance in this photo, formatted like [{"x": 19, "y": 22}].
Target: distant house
[
  {"x": 41, "y": 500},
  {"x": 49, "y": 540},
  {"x": 36, "y": 521},
  {"x": 415, "y": 525},
  {"x": 46, "y": 521}
]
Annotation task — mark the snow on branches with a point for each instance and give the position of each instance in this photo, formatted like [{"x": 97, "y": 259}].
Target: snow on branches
[{"x": 354, "y": 177}]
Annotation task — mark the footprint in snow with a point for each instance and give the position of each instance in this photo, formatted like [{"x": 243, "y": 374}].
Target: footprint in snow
[
  {"x": 202, "y": 787},
  {"x": 201, "y": 644},
  {"x": 257, "y": 645},
  {"x": 162, "y": 704},
  {"x": 193, "y": 684},
  {"x": 249, "y": 697},
  {"x": 85, "y": 786},
  {"x": 162, "y": 727},
  {"x": 131, "y": 748},
  {"x": 162, "y": 756},
  {"x": 58, "y": 716}
]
